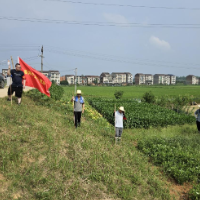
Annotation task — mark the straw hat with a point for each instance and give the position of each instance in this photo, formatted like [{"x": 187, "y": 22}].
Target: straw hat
[
  {"x": 122, "y": 109},
  {"x": 78, "y": 92}
]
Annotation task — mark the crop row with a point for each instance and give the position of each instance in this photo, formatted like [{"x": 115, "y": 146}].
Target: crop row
[
  {"x": 140, "y": 115},
  {"x": 178, "y": 156}
]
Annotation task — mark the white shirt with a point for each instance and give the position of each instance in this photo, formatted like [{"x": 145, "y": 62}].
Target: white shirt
[{"x": 119, "y": 119}]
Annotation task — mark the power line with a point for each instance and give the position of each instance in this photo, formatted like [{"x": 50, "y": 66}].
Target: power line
[
  {"x": 119, "y": 60},
  {"x": 53, "y": 48},
  {"x": 123, "y": 5},
  {"x": 110, "y": 24}
]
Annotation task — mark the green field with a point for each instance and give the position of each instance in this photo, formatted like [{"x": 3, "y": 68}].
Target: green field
[
  {"x": 42, "y": 156},
  {"x": 136, "y": 91}
]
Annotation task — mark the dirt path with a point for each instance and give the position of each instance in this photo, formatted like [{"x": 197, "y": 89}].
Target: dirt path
[{"x": 3, "y": 92}]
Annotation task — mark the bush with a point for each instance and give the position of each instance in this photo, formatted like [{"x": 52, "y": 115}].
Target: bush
[
  {"x": 118, "y": 94},
  {"x": 148, "y": 97},
  {"x": 195, "y": 192},
  {"x": 64, "y": 83},
  {"x": 56, "y": 91},
  {"x": 179, "y": 156}
]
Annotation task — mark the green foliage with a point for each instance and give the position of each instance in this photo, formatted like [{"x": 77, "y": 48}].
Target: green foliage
[
  {"x": 194, "y": 193},
  {"x": 179, "y": 156},
  {"x": 64, "y": 83},
  {"x": 42, "y": 99},
  {"x": 140, "y": 115},
  {"x": 148, "y": 97},
  {"x": 118, "y": 94},
  {"x": 56, "y": 91},
  {"x": 42, "y": 156}
]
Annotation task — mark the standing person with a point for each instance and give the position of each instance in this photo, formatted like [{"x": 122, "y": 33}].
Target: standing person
[
  {"x": 78, "y": 108},
  {"x": 119, "y": 117},
  {"x": 197, "y": 116},
  {"x": 17, "y": 78}
]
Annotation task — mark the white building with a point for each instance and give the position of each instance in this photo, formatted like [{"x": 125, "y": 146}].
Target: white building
[{"x": 53, "y": 75}]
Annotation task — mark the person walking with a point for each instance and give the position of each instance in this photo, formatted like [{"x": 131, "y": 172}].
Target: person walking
[
  {"x": 197, "y": 116},
  {"x": 79, "y": 106},
  {"x": 119, "y": 117},
  {"x": 18, "y": 82}
]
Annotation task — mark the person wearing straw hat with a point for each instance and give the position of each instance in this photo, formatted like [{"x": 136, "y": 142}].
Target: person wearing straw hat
[
  {"x": 79, "y": 105},
  {"x": 197, "y": 115},
  {"x": 119, "y": 117}
]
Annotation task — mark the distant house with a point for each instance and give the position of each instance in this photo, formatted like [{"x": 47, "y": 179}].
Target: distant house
[
  {"x": 69, "y": 79},
  {"x": 122, "y": 78},
  {"x": 140, "y": 79},
  {"x": 148, "y": 79},
  {"x": 159, "y": 79},
  {"x": 172, "y": 79},
  {"x": 105, "y": 77},
  {"x": 192, "y": 80},
  {"x": 118, "y": 77},
  {"x": 62, "y": 78},
  {"x": 53, "y": 75},
  {"x": 92, "y": 79},
  {"x": 129, "y": 78}
]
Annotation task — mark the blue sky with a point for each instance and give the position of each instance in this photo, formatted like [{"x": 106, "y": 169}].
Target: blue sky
[{"x": 96, "y": 49}]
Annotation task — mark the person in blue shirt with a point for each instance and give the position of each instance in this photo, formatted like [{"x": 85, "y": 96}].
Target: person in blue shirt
[
  {"x": 79, "y": 106},
  {"x": 18, "y": 82}
]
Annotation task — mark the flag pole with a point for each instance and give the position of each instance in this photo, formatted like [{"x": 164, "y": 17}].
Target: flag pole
[
  {"x": 114, "y": 115},
  {"x": 12, "y": 62},
  {"x": 11, "y": 79}
]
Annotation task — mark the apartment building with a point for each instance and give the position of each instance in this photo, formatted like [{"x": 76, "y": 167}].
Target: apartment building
[
  {"x": 53, "y": 75},
  {"x": 129, "y": 78},
  {"x": 140, "y": 79},
  {"x": 116, "y": 78},
  {"x": 192, "y": 80},
  {"x": 148, "y": 79},
  {"x": 70, "y": 79},
  {"x": 92, "y": 79},
  {"x": 105, "y": 77},
  {"x": 172, "y": 79}
]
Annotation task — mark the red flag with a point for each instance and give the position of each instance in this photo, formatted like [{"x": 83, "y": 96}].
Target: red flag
[{"x": 35, "y": 78}]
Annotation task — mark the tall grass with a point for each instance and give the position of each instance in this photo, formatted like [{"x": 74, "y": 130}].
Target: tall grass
[{"x": 42, "y": 156}]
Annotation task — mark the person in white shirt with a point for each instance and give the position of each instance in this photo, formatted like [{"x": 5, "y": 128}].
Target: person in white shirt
[
  {"x": 197, "y": 116},
  {"x": 119, "y": 117}
]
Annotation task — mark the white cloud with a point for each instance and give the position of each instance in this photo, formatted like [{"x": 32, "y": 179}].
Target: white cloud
[
  {"x": 115, "y": 18},
  {"x": 161, "y": 44}
]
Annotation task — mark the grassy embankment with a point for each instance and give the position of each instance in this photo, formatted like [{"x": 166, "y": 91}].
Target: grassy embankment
[{"x": 42, "y": 156}]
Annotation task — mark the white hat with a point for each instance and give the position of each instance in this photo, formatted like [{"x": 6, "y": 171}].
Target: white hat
[
  {"x": 121, "y": 108},
  {"x": 78, "y": 92}
]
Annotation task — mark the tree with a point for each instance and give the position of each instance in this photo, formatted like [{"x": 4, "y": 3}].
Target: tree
[
  {"x": 118, "y": 94},
  {"x": 148, "y": 97}
]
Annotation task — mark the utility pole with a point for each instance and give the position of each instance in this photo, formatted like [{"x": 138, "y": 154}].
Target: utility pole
[
  {"x": 42, "y": 59},
  {"x": 75, "y": 79}
]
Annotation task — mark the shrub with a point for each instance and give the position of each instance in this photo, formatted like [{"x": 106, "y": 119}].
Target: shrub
[
  {"x": 118, "y": 94},
  {"x": 148, "y": 97},
  {"x": 56, "y": 91},
  {"x": 195, "y": 192}
]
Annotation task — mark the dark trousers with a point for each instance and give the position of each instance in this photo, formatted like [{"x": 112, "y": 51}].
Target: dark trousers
[
  {"x": 77, "y": 119},
  {"x": 198, "y": 126}
]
